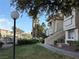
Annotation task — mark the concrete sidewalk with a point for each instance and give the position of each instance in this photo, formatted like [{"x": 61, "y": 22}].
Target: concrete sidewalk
[
  {"x": 61, "y": 51},
  {"x": 7, "y": 45}
]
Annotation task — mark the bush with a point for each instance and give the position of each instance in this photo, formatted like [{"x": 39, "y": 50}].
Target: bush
[
  {"x": 75, "y": 44},
  {"x": 41, "y": 40},
  {"x": 1, "y": 43},
  {"x": 23, "y": 42},
  {"x": 71, "y": 42}
]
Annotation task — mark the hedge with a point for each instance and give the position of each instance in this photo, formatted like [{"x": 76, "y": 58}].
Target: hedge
[{"x": 23, "y": 42}]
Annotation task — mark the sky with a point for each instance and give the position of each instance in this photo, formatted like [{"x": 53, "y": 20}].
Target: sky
[{"x": 6, "y": 22}]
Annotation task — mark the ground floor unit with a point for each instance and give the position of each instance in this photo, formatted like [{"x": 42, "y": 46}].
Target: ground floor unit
[{"x": 71, "y": 35}]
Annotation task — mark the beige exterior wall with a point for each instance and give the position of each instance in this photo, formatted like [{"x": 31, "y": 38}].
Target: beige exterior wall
[
  {"x": 19, "y": 35},
  {"x": 55, "y": 26},
  {"x": 57, "y": 31},
  {"x": 23, "y": 35},
  {"x": 58, "y": 25},
  {"x": 72, "y": 23},
  {"x": 5, "y": 33},
  {"x": 52, "y": 38},
  {"x": 50, "y": 27},
  {"x": 77, "y": 18},
  {"x": 69, "y": 22}
]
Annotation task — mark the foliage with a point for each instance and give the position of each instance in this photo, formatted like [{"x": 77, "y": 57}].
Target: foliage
[
  {"x": 71, "y": 42},
  {"x": 44, "y": 25},
  {"x": 0, "y": 35},
  {"x": 75, "y": 44},
  {"x": 40, "y": 31},
  {"x": 51, "y": 7},
  {"x": 24, "y": 41},
  {"x": 41, "y": 40},
  {"x": 26, "y": 36}
]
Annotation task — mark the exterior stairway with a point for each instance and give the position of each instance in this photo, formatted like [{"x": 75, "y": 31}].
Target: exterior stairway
[{"x": 57, "y": 35}]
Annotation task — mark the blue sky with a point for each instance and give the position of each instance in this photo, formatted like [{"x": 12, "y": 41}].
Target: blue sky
[{"x": 24, "y": 22}]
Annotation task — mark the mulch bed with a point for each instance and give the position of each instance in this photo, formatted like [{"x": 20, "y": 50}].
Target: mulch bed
[{"x": 69, "y": 48}]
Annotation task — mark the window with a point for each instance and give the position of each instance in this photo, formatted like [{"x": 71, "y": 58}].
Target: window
[
  {"x": 71, "y": 34},
  {"x": 50, "y": 23}
]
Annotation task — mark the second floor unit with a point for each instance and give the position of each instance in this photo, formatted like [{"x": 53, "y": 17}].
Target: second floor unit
[
  {"x": 55, "y": 24},
  {"x": 71, "y": 21}
]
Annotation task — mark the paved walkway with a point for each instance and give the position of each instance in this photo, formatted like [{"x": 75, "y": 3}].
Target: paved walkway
[
  {"x": 61, "y": 51},
  {"x": 7, "y": 45}
]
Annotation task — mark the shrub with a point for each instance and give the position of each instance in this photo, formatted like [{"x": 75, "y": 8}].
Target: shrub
[
  {"x": 1, "y": 43},
  {"x": 71, "y": 42},
  {"x": 75, "y": 44},
  {"x": 41, "y": 40},
  {"x": 23, "y": 42}
]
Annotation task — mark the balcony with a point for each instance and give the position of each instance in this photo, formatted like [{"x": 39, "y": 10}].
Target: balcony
[{"x": 69, "y": 22}]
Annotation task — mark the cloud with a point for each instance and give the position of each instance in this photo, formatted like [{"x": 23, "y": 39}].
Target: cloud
[{"x": 5, "y": 23}]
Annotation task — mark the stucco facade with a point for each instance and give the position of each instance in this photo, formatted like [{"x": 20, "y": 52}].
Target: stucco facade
[
  {"x": 5, "y": 33},
  {"x": 71, "y": 26},
  {"x": 68, "y": 28},
  {"x": 54, "y": 26},
  {"x": 55, "y": 31}
]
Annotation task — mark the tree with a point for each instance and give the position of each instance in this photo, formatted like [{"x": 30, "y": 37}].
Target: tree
[
  {"x": 36, "y": 7},
  {"x": 43, "y": 24},
  {"x": 40, "y": 31},
  {"x": 18, "y": 31},
  {"x": 0, "y": 35}
]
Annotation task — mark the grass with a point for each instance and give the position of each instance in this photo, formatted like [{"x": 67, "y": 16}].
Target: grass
[{"x": 31, "y": 52}]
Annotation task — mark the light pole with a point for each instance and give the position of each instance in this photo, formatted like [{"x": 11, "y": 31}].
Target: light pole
[{"x": 14, "y": 16}]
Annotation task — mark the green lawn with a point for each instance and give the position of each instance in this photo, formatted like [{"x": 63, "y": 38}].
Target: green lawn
[{"x": 31, "y": 52}]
